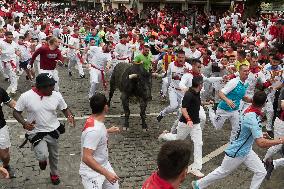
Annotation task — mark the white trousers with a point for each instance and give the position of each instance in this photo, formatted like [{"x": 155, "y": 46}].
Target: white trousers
[
  {"x": 221, "y": 116},
  {"x": 165, "y": 86},
  {"x": 11, "y": 71},
  {"x": 278, "y": 163},
  {"x": 75, "y": 61},
  {"x": 95, "y": 80},
  {"x": 99, "y": 182},
  {"x": 2, "y": 70},
  {"x": 175, "y": 97},
  {"x": 195, "y": 132},
  {"x": 278, "y": 132},
  {"x": 183, "y": 130},
  {"x": 269, "y": 110},
  {"x": 252, "y": 161},
  {"x": 54, "y": 74}
]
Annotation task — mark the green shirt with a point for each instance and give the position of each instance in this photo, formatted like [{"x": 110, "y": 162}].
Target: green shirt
[{"x": 147, "y": 61}]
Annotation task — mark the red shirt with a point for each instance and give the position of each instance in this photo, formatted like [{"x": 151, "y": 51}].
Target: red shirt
[
  {"x": 48, "y": 57},
  {"x": 156, "y": 182}
]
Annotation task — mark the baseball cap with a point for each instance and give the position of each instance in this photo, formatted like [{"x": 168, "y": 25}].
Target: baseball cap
[{"x": 44, "y": 80}]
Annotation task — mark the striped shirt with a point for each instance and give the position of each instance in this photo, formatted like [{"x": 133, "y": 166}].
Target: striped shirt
[{"x": 65, "y": 39}]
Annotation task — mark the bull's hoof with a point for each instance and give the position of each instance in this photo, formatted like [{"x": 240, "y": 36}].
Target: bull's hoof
[{"x": 125, "y": 128}]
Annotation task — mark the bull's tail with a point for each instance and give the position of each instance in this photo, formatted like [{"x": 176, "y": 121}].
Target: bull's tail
[{"x": 111, "y": 88}]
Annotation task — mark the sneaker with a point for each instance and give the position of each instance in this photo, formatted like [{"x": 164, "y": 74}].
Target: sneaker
[
  {"x": 162, "y": 136},
  {"x": 11, "y": 171},
  {"x": 54, "y": 179},
  {"x": 42, "y": 165},
  {"x": 159, "y": 118},
  {"x": 269, "y": 168},
  {"x": 82, "y": 76},
  {"x": 70, "y": 74},
  {"x": 196, "y": 173},
  {"x": 194, "y": 184}
]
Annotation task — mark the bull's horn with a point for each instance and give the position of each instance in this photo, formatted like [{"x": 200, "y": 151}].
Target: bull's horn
[{"x": 131, "y": 76}]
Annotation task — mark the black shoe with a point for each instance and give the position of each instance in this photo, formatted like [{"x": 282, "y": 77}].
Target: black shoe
[
  {"x": 270, "y": 134},
  {"x": 6, "y": 79},
  {"x": 82, "y": 76},
  {"x": 54, "y": 179},
  {"x": 27, "y": 78},
  {"x": 70, "y": 74},
  {"x": 159, "y": 118},
  {"x": 42, "y": 165},
  {"x": 11, "y": 171},
  {"x": 269, "y": 168}
]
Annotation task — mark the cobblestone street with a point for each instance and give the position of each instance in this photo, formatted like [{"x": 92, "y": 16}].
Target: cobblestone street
[{"x": 132, "y": 153}]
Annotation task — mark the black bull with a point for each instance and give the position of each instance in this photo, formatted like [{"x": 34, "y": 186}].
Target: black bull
[{"x": 131, "y": 80}]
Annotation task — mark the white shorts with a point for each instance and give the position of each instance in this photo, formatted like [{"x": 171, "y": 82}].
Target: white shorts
[
  {"x": 4, "y": 138},
  {"x": 99, "y": 182}
]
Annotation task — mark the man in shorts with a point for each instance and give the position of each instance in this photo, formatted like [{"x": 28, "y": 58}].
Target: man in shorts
[{"x": 4, "y": 133}]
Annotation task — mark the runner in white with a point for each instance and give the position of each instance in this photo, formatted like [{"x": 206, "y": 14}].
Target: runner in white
[
  {"x": 95, "y": 170},
  {"x": 101, "y": 60},
  {"x": 73, "y": 54},
  {"x": 9, "y": 51},
  {"x": 174, "y": 74}
]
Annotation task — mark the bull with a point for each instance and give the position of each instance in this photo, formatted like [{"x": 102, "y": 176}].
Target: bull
[{"x": 132, "y": 80}]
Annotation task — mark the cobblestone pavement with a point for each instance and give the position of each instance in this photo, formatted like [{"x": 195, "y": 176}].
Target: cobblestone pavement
[{"x": 132, "y": 153}]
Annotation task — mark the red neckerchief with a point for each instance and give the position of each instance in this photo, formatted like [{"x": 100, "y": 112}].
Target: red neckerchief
[
  {"x": 75, "y": 35},
  {"x": 38, "y": 92},
  {"x": 177, "y": 64},
  {"x": 124, "y": 43},
  {"x": 253, "y": 109},
  {"x": 254, "y": 69},
  {"x": 155, "y": 181},
  {"x": 90, "y": 122},
  {"x": 194, "y": 73}
]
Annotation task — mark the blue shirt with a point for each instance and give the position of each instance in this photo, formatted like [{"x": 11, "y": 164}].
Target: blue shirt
[
  {"x": 250, "y": 129},
  {"x": 96, "y": 38},
  {"x": 234, "y": 90}
]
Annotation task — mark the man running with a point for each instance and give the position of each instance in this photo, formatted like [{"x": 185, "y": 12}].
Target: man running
[
  {"x": 5, "y": 143},
  {"x": 42, "y": 125},
  {"x": 240, "y": 150}
]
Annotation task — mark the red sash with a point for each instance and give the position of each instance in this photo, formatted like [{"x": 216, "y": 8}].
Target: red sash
[{"x": 103, "y": 76}]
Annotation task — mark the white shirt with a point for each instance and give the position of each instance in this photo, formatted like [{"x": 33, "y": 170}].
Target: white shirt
[
  {"x": 8, "y": 51},
  {"x": 195, "y": 55},
  {"x": 25, "y": 53},
  {"x": 41, "y": 110},
  {"x": 75, "y": 42},
  {"x": 122, "y": 51},
  {"x": 100, "y": 59},
  {"x": 184, "y": 31},
  {"x": 41, "y": 36},
  {"x": 175, "y": 74},
  {"x": 96, "y": 139},
  {"x": 231, "y": 85},
  {"x": 252, "y": 80}
]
